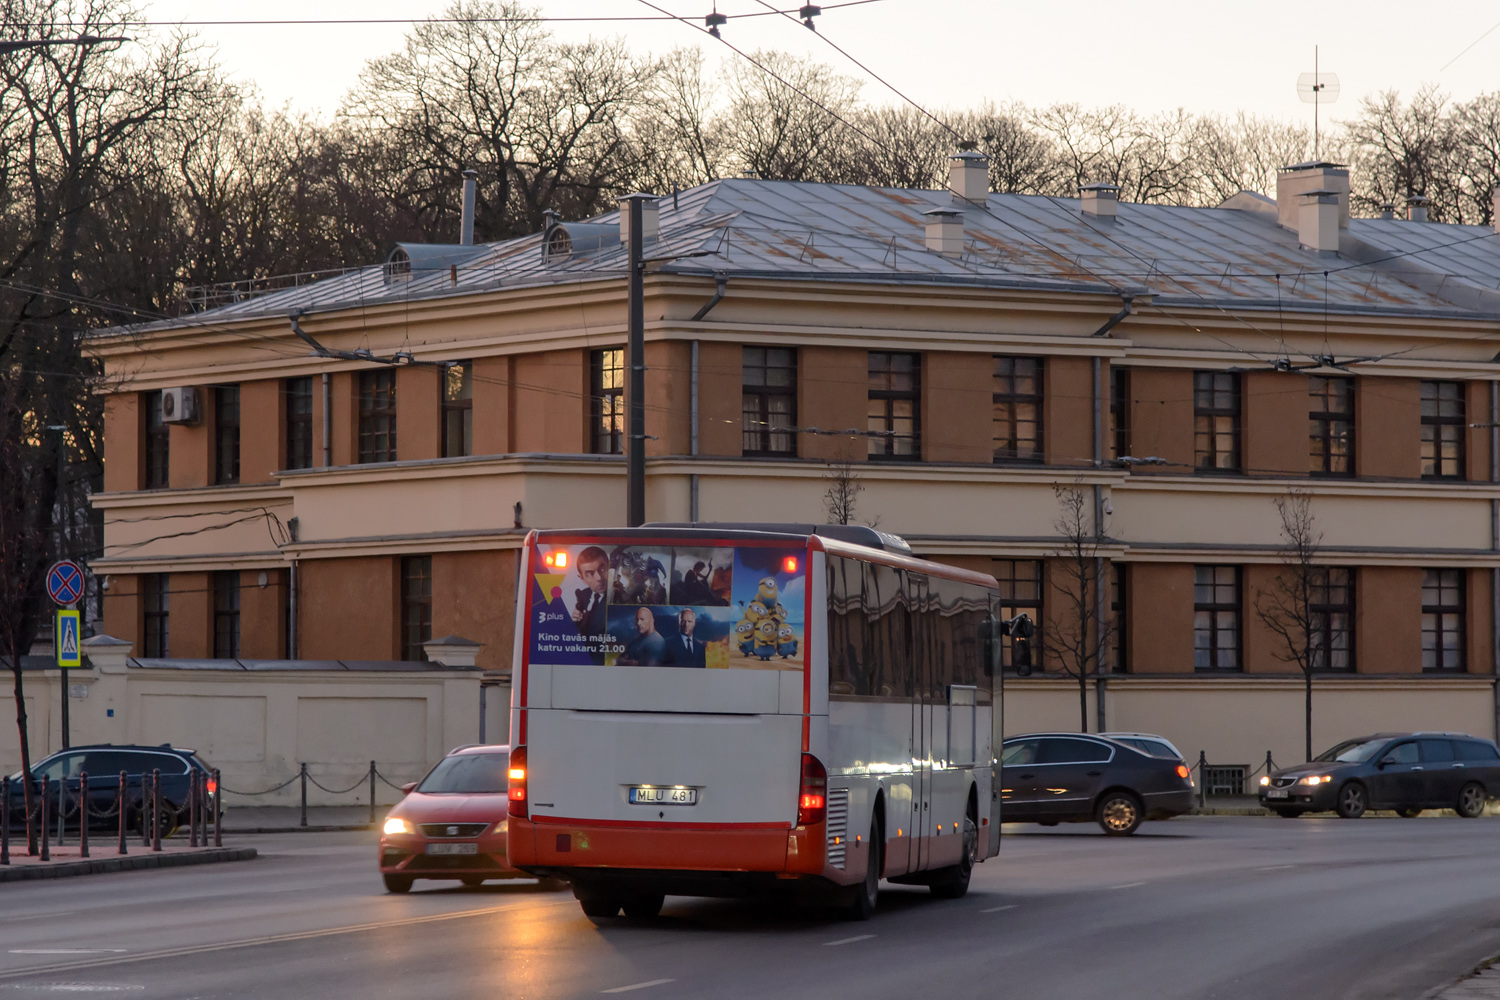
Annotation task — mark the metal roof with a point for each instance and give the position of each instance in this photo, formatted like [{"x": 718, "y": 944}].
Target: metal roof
[{"x": 1184, "y": 256}]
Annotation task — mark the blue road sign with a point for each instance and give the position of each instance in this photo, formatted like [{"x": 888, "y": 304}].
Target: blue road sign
[
  {"x": 69, "y": 652},
  {"x": 65, "y": 582}
]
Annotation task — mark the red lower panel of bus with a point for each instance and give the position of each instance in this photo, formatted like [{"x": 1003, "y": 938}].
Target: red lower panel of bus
[{"x": 566, "y": 843}]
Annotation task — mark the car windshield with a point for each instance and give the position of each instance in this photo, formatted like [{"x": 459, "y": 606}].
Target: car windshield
[
  {"x": 468, "y": 773},
  {"x": 1352, "y": 751}
]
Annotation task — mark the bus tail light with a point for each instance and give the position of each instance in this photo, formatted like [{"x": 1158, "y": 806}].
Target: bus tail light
[
  {"x": 516, "y": 777},
  {"x": 812, "y": 798}
]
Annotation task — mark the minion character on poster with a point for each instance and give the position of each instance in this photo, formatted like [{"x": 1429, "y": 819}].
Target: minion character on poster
[{"x": 768, "y": 600}]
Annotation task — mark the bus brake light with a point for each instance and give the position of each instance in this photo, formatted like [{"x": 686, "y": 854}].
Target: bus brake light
[
  {"x": 556, "y": 560},
  {"x": 517, "y": 783},
  {"x": 812, "y": 799},
  {"x": 789, "y": 564}
]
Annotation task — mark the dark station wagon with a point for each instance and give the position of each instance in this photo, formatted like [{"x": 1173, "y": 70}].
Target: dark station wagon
[
  {"x": 1051, "y": 778},
  {"x": 1407, "y": 772}
]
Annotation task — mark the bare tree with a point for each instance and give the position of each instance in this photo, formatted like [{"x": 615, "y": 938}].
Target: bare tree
[
  {"x": 777, "y": 132},
  {"x": 1080, "y": 633},
  {"x": 1287, "y": 607},
  {"x": 841, "y": 497}
]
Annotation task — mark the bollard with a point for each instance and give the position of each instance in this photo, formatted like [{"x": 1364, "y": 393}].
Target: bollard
[
  {"x": 42, "y": 808},
  {"x": 1202, "y": 776},
  {"x": 156, "y": 809},
  {"x": 1270, "y": 764},
  {"x": 62, "y": 808},
  {"x": 218, "y": 834},
  {"x": 192, "y": 808},
  {"x": 120, "y": 802},
  {"x": 372, "y": 792},
  {"x": 4, "y": 821},
  {"x": 304, "y": 793},
  {"x": 145, "y": 811},
  {"x": 83, "y": 814}
]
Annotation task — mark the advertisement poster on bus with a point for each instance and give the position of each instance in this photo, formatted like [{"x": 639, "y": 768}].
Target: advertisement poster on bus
[{"x": 701, "y": 607}]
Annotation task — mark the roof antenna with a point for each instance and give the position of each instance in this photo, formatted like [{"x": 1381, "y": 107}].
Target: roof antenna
[
  {"x": 1317, "y": 88},
  {"x": 807, "y": 13},
  {"x": 714, "y": 20}
]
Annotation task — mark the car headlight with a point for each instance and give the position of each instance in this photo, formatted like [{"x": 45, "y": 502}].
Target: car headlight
[
  {"x": 502, "y": 826},
  {"x": 1312, "y": 779},
  {"x": 395, "y": 824},
  {"x": 1264, "y": 781}
]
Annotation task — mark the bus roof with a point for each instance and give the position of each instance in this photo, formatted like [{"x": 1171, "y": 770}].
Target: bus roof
[{"x": 825, "y": 537}]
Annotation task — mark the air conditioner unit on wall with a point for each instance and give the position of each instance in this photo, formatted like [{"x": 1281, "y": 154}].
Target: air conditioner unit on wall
[{"x": 179, "y": 406}]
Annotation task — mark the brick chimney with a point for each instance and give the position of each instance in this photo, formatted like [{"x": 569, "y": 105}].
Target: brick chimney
[
  {"x": 945, "y": 231},
  {"x": 1101, "y": 201},
  {"x": 1296, "y": 180},
  {"x": 1318, "y": 220},
  {"x": 1495, "y": 209},
  {"x": 969, "y": 176}
]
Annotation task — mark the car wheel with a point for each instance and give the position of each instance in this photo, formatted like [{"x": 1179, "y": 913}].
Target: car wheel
[
  {"x": 1352, "y": 801},
  {"x": 955, "y": 883},
  {"x": 644, "y": 907},
  {"x": 1471, "y": 800},
  {"x": 472, "y": 881},
  {"x": 1289, "y": 813},
  {"x": 1408, "y": 812},
  {"x": 1119, "y": 814},
  {"x": 550, "y": 884},
  {"x": 867, "y": 893},
  {"x": 1048, "y": 822},
  {"x": 600, "y": 909},
  {"x": 398, "y": 883}
]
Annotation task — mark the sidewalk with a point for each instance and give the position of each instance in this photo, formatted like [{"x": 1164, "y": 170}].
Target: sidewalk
[
  {"x": 104, "y": 857},
  {"x": 283, "y": 819},
  {"x": 1483, "y": 985}
]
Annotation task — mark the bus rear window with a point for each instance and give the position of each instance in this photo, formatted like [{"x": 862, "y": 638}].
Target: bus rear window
[{"x": 646, "y": 605}]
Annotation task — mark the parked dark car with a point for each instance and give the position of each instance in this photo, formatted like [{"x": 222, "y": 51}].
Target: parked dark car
[
  {"x": 1054, "y": 778},
  {"x": 103, "y": 763},
  {"x": 1407, "y": 772}
]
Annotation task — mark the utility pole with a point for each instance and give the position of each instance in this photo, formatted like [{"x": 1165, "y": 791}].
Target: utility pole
[{"x": 635, "y": 361}]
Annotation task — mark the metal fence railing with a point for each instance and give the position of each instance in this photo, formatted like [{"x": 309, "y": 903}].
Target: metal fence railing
[
  {"x": 1227, "y": 780},
  {"x": 304, "y": 778}
]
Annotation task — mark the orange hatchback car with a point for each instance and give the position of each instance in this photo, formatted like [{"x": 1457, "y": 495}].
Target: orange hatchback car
[{"x": 451, "y": 825}]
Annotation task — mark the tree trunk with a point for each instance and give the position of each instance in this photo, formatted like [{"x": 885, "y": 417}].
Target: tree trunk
[
  {"x": 1308, "y": 677},
  {"x": 1083, "y": 701},
  {"x": 15, "y": 667}
]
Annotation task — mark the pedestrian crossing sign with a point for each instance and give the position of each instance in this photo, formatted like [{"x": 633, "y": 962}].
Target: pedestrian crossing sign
[{"x": 69, "y": 654}]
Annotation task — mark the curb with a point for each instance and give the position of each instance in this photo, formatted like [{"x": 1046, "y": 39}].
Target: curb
[
  {"x": 310, "y": 828},
  {"x": 135, "y": 862}
]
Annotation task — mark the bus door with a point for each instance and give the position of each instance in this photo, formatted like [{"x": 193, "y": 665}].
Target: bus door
[
  {"x": 923, "y": 723},
  {"x": 948, "y": 719}
]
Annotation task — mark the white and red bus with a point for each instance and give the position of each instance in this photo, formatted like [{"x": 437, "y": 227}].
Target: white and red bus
[{"x": 723, "y": 710}]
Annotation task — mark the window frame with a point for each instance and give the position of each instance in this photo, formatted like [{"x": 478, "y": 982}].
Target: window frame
[
  {"x": 416, "y": 606},
  {"x": 758, "y": 441},
  {"x": 883, "y": 441},
  {"x": 1321, "y": 613},
  {"x": 226, "y": 598},
  {"x": 1005, "y": 431},
  {"x": 1322, "y": 421},
  {"x": 155, "y": 594},
  {"x": 1006, "y": 571},
  {"x": 606, "y": 402},
  {"x": 297, "y": 422},
  {"x": 1206, "y": 434},
  {"x": 1213, "y": 609},
  {"x": 226, "y": 435},
  {"x": 1119, "y": 410},
  {"x": 377, "y": 416},
  {"x": 1119, "y": 597},
  {"x": 156, "y": 465},
  {"x": 1438, "y": 422},
  {"x": 456, "y": 409},
  {"x": 1458, "y": 611}
]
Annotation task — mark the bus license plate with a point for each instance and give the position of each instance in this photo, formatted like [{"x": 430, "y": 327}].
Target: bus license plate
[
  {"x": 1277, "y": 793},
  {"x": 652, "y": 795},
  {"x": 452, "y": 848}
]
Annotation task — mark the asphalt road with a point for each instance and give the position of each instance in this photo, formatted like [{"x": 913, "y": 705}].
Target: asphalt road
[{"x": 1192, "y": 908}]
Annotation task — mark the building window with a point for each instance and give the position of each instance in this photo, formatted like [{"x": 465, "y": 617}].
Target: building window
[
  {"x": 1119, "y": 410},
  {"x": 607, "y": 402},
  {"x": 377, "y": 416},
  {"x": 1021, "y": 590},
  {"x": 416, "y": 605},
  {"x": 1443, "y": 620},
  {"x": 1017, "y": 398},
  {"x": 1216, "y": 421},
  {"x": 1331, "y": 615},
  {"x": 154, "y": 612},
  {"x": 227, "y": 434},
  {"x": 1118, "y": 589},
  {"x": 299, "y": 423},
  {"x": 895, "y": 424},
  {"x": 1442, "y": 430},
  {"x": 227, "y": 614},
  {"x": 1216, "y": 618},
  {"x": 458, "y": 410},
  {"x": 770, "y": 401},
  {"x": 1331, "y": 433},
  {"x": 158, "y": 441}
]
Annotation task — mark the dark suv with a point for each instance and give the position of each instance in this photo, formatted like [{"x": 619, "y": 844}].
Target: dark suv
[
  {"x": 103, "y": 764},
  {"x": 1407, "y": 772}
]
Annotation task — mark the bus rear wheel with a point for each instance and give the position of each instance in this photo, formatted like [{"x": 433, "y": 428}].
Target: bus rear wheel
[
  {"x": 867, "y": 893},
  {"x": 954, "y": 882}
]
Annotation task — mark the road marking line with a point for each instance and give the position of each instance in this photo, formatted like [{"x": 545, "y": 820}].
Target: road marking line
[
  {"x": 848, "y": 940},
  {"x": 997, "y": 909},
  {"x": 1275, "y": 868},
  {"x": 638, "y": 986},
  {"x": 198, "y": 949},
  {"x": 1127, "y": 885},
  {"x": 66, "y": 951}
]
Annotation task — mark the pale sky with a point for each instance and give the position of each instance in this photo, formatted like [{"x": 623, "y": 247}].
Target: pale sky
[{"x": 1213, "y": 57}]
